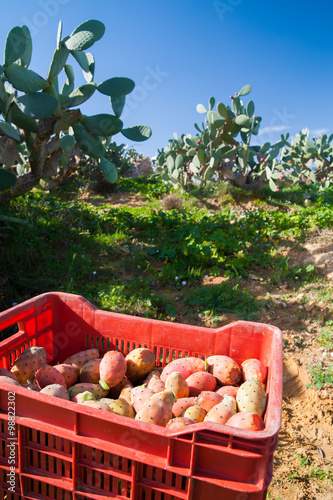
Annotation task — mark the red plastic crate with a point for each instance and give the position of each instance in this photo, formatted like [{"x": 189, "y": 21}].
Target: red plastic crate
[{"x": 63, "y": 450}]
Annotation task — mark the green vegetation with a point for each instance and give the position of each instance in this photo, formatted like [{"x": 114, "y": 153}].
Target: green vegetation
[{"x": 321, "y": 375}]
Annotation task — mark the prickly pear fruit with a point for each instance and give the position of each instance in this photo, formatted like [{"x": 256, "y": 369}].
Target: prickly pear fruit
[
  {"x": 90, "y": 371},
  {"x": 247, "y": 420},
  {"x": 125, "y": 393},
  {"x": 153, "y": 374},
  {"x": 225, "y": 369},
  {"x": 254, "y": 368},
  {"x": 157, "y": 409},
  {"x": 200, "y": 381},
  {"x": 31, "y": 387},
  {"x": 8, "y": 380},
  {"x": 185, "y": 366},
  {"x": 175, "y": 382},
  {"x": 96, "y": 389},
  {"x": 83, "y": 396},
  {"x": 97, "y": 404},
  {"x": 28, "y": 362},
  {"x": 228, "y": 390},
  {"x": 139, "y": 396},
  {"x": 182, "y": 404},
  {"x": 177, "y": 422},
  {"x": 121, "y": 407},
  {"x": 140, "y": 362},
  {"x": 7, "y": 373},
  {"x": 81, "y": 358},
  {"x": 47, "y": 375},
  {"x": 69, "y": 373},
  {"x": 116, "y": 390},
  {"x": 195, "y": 412},
  {"x": 251, "y": 397},
  {"x": 156, "y": 384},
  {"x": 112, "y": 369},
  {"x": 208, "y": 399},
  {"x": 221, "y": 412},
  {"x": 56, "y": 390}
]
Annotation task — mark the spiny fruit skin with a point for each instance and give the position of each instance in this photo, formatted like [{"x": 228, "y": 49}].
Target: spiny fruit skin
[
  {"x": 251, "y": 397},
  {"x": 175, "y": 382},
  {"x": 69, "y": 373},
  {"x": 139, "y": 396},
  {"x": 224, "y": 368},
  {"x": 112, "y": 369},
  {"x": 153, "y": 374},
  {"x": 185, "y": 366},
  {"x": 221, "y": 412},
  {"x": 83, "y": 396},
  {"x": 121, "y": 407},
  {"x": 200, "y": 381},
  {"x": 254, "y": 368},
  {"x": 47, "y": 375},
  {"x": 31, "y": 387},
  {"x": 157, "y": 409},
  {"x": 96, "y": 389},
  {"x": 7, "y": 373},
  {"x": 28, "y": 362},
  {"x": 56, "y": 390},
  {"x": 81, "y": 358},
  {"x": 208, "y": 399},
  {"x": 182, "y": 404},
  {"x": 228, "y": 390},
  {"x": 8, "y": 380},
  {"x": 126, "y": 391},
  {"x": 177, "y": 422},
  {"x": 90, "y": 371},
  {"x": 140, "y": 362},
  {"x": 156, "y": 384},
  {"x": 97, "y": 404},
  {"x": 247, "y": 420},
  {"x": 195, "y": 412},
  {"x": 117, "y": 389}
]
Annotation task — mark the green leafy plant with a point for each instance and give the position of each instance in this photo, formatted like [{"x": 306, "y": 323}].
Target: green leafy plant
[
  {"x": 325, "y": 338},
  {"x": 41, "y": 132},
  {"x": 320, "y": 376}
]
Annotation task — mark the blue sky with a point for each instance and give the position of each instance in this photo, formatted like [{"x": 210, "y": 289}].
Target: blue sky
[{"x": 180, "y": 53}]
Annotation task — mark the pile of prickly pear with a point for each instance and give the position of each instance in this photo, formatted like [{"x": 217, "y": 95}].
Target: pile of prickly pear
[{"x": 186, "y": 391}]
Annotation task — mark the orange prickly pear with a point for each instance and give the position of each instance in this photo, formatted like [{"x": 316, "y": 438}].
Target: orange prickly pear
[
  {"x": 177, "y": 422},
  {"x": 153, "y": 374},
  {"x": 90, "y": 371},
  {"x": 221, "y": 412},
  {"x": 228, "y": 390},
  {"x": 195, "y": 412},
  {"x": 69, "y": 373},
  {"x": 121, "y": 407},
  {"x": 208, "y": 399},
  {"x": 47, "y": 375},
  {"x": 251, "y": 397},
  {"x": 28, "y": 362},
  {"x": 56, "y": 390},
  {"x": 200, "y": 381},
  {"x": 175, "y": 382},
  {"x": 139, "y": 396},
  {"x": 224, "y": 368},
  {"x": 247, "y": 420},
  {"x": 157, "y": 409},
  {"x": 117, "y": 389},
  {"x": 126, "y": 392},
  {"x": 96, "y": 389},
  {"x": 156, "y": 384},
  {"x": 185, "y": 366},
  {"x": 97, "y": 404},
  {"x": 83, "y": 396},
  {"x": 254, "y": 368},
  {"x": 112, "y": 369},
  {"x": 182, "y": 404},
  {"x": 140, "y": 362},
  {"x": 81, "y": 358}
]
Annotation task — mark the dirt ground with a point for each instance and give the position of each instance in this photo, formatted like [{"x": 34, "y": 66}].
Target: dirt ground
[{"x": 305, "y": 449}]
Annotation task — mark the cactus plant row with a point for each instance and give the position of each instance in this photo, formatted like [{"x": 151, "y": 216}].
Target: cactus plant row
[{"x": 42, "y": 123}]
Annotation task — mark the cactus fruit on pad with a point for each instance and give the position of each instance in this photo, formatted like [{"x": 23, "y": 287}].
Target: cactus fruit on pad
[
  {"x": 140, "y": 362},
  {"x": 157, "y": 409},
  {"x": 28, "y": 362},
  {"x": 112, "y": 369}
]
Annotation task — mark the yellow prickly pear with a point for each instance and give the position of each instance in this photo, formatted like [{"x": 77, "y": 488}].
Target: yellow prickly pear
[
  {"x": 140, "y": 362},
  {"x": 175, "y": 382},
  {"x": 28, "y": 362},
  {"x": 251, "y": 397}
]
